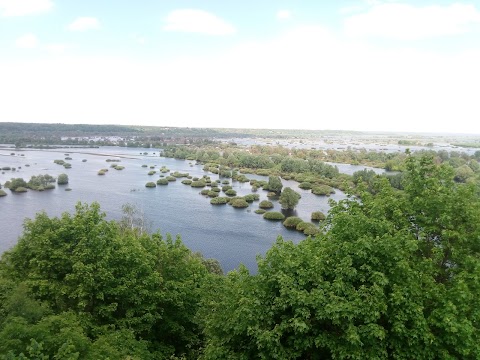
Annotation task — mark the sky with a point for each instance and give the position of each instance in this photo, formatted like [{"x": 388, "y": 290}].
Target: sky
[{"x": 367, "y": 65}]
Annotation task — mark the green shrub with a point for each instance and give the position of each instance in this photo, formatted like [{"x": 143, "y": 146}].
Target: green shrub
[
  {"x": 2, "y": 193},
  {"x": 151, "y": 172},
  {"x": 239, "y": 203},
  {"x": 226, "y": 188},
  {"x": 144, "y": 165},
  {"x": 318, "y": 216},
  {"x": 150, "y": 184},
  {"x": 212, "y": 194},
  {"x": 219, "y": 201},
  {"x": 305, "y": 185},
  {"x": 322, "y": 190},
  {"x": 198, "y": 183},
  {"x": 271, "y": 194},
  {"x": 101, "y": 172},
  {"x": 20, "y": 189},
  {"x": 179, "y": 174},
  {"x": 187, "y": 182},
  {"x": 225, "y": 182},
  {"x": 292, "y": 222},
  {"x": 59, "y": 162},
  {"x": 171, "y": 178},
  {"x": 260, "y": 211},
  {"x": 67, "y": 166},
  {"x": 195, "y": 179},
  {"x": 68, "y": 158},
  {"x": 230, "y": 192},
  {"x": 162, "y": 181},
  {"x": 216, "y": 189},
  {"x": 308, "y": 228},
  {"x": 204, "y": 192},
  {"x": 251, "y": 197},
  {"x": 265, "y": 204},
  {"x": 62, "y": 179},
  {"x": 119, "y": 167},
  {"x": 273, "y": 215}
]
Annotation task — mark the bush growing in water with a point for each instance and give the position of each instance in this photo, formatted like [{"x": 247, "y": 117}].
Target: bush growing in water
[
  {"x": 265, "y": 204},
  {"x": 162, "y": 181},
  {"x": 151, "y": 172},
  {"x": 230, "y": 192},
  {"x": 187, "y": 182},
  {"x": 308, "y": 228},
  {"x": 179, "y": 174},
  {"x": 322, "y": 190},
  {"x": 318, "y": 216},
  {"x": 219, "y": 201},
  {"x": 226, "y": 188},
  {"x": 2, "y": 193},
  {"x": 273, "y": 215},
  {"x": 251, "y": 197},
  {"x": 119, "y": 167},
  {"x": 212, "y": 194},
  {"x": 150, "y": 184},
  {"x": 239, "y": 203},
  {"x": 62, "y": 179},
  {"x": 305, "y": 185},
  {"x": 198, "y": 183},
  {"x": 171, "y": 178},
  {"x": 260, "y": 211},
  {"x": 292, "y": 222}
]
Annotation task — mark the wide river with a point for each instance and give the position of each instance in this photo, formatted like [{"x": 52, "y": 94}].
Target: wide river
[{"x": 233, "y": 236}]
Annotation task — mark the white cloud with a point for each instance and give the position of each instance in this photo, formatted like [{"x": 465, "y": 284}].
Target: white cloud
[
  {"x": 58, "y": 48},
  {"x": 27, "y": 41},
  {"x": 24, "y": 7},
  {"x": 308, "y": 78},
  {"x": 139, "y": 39},
  {"x": 197, "y": 21},
  {"x": 84, "y": 24},
  {"x": 407, "y": 22},
  {"x": 284, "y": 15}
]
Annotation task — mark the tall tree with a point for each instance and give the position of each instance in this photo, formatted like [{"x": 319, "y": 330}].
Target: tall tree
[
  {"x": 395, "y": 275},
  {"x": 289, "y": 198}
]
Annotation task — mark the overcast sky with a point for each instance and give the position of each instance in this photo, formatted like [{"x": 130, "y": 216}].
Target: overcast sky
[{"x": 352, "y": 65}]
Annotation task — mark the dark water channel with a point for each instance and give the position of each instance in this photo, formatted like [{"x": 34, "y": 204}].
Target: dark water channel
[{"x": 233, "y": 236}]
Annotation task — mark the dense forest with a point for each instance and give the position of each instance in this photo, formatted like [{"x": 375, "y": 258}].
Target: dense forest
[{"x": 393, "y": 273}]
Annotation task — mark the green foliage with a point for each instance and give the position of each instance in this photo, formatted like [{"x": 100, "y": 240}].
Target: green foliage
[
  {"x": 305, "y": 185},
  {"x": 260, "y": 211},
  {"x": 151, "y": 172},
  {"x": 102, "y": 171},
  {"x": 395, "y": 276},
  {"x": 273, "y": 215},
  {"x": 265, "y": 204},
  {"x": 171, "y": 178},
  {"x": 219, "y": 201},
  {"x": 251, "y": 197},
  {"x": 198, "y": 183},
  {"x": 16, "y": 184},
  {"x": 292, "y": 222},
  {"x": 187, "y": 182},
  {"x": 82, "y": 287},
  {"x": 322, "y": 190},
  {"x": 289, "y": 198},
  {"x": 318, "y": 216},
  {"x": 239, "y": 203},
  {"x": 150, "y": 184},
  {"x": 162, "y": 181},
  {"x": 41, "y": 182},
  {"x": 62, "y": 179},
  {"x": 2, "y": 193},
  {"x": 274, "y": 184},
  {"x": 230, "y": 192}
]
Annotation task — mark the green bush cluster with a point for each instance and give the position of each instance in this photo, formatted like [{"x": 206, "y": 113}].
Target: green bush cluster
[{"x": 273, "y": 215}]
